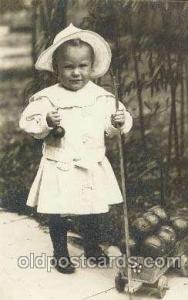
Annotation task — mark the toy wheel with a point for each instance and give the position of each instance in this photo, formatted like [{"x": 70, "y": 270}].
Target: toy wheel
[
  {"x": 120, "y": 282},
  {"x": 162, "y": 286},
  {"x": 184, "y": 265}
]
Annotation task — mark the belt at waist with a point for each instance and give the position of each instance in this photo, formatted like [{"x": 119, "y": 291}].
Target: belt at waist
[{"x": 86, "y": 160}]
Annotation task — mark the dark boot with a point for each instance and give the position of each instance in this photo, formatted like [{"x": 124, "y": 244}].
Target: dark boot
[
  {"x": 63, "y": 265},
  {"x": 58, "y": 228}
]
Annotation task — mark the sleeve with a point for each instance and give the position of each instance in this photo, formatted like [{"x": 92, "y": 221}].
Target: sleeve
[
  {"x": 33, "y": 118},
  {"x": 110, "y": 108}
]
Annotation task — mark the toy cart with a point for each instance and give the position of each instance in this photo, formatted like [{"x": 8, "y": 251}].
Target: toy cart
[
  {"x": 152, "y": 278},
  {"x": 131, "y": 280}
]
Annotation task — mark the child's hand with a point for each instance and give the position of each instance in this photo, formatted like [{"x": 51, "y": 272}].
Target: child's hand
[
  {"x": 53, "y": 118},
  {"x": 118, "y": 119}
]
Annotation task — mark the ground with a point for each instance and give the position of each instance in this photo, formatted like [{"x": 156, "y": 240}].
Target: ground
[{"x": 23, "y": 237}]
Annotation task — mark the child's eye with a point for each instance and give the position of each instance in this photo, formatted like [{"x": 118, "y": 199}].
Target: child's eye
[
  {"x": 83, "y": 65},
  {"x": 68, "y": 67}
]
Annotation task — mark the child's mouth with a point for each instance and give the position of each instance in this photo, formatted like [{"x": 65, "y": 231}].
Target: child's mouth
[{"x": 76, "y": 80}]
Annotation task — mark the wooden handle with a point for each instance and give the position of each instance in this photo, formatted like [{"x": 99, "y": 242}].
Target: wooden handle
[{"x": 123, "y": 188}]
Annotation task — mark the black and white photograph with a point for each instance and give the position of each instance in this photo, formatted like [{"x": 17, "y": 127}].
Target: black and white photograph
[{"x": 94, "y": 149}]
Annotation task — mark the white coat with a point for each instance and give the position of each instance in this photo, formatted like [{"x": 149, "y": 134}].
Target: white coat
[{"x": 74, "y": 176}]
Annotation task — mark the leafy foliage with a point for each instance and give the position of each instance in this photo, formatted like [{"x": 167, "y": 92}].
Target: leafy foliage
[{"x": 19, "y": 161}]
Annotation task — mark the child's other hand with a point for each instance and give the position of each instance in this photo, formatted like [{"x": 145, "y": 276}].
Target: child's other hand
[
  {"x": 53, "y": 118},
  {"x": 118, "y": 119}
]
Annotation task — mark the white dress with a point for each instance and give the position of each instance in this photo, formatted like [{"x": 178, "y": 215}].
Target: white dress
[{"x": 74, "y": 176}]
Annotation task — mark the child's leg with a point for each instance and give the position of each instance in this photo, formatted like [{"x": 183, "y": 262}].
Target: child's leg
[
  {"x": 89, "y": 227},
  {"x": 58, "y": 228}
]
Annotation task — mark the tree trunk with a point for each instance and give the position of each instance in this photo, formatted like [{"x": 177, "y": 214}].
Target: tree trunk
[
  {"x": 46, "y": 11},
  {"x": 34, "y": 29}
]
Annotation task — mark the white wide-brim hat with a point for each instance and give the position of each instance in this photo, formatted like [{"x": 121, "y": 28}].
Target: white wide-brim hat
[{"x": 101, "y": 49}]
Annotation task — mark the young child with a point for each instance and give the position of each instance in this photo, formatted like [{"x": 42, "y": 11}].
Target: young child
[{"x": 74, "y": 176}]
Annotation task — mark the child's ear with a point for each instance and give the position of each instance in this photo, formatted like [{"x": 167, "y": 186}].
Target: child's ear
[
  {"x": 54, "y": 64},
  {"x": 92, "y": 66},
  {"x": 55, "y": 70},
  {"x": 55, "y": 75}
]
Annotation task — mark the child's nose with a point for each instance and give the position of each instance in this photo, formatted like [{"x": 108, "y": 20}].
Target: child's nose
[{"x": 76, "y": 72}]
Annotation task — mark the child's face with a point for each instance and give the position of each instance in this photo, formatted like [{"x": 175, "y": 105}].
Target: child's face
[{"x": 74, "y": 65}]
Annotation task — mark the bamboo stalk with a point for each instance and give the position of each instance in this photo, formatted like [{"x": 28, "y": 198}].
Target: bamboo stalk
[
  {"x": 186, "y": 80},
  {"x": 182, "y": 110},
  {"x": 173, "y": 87},
  {"x": 139, "y": 97},
  {"x": 137, "y": 79},
  {"x": 151, "y": 71},
  {"x": 169, "y": 151}
]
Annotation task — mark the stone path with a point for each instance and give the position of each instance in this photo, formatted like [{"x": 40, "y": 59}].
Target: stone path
[{"x": 22, "y": 237}]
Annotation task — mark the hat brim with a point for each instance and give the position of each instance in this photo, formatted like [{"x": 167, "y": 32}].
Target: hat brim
[{"x": 101, "y": 49}]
